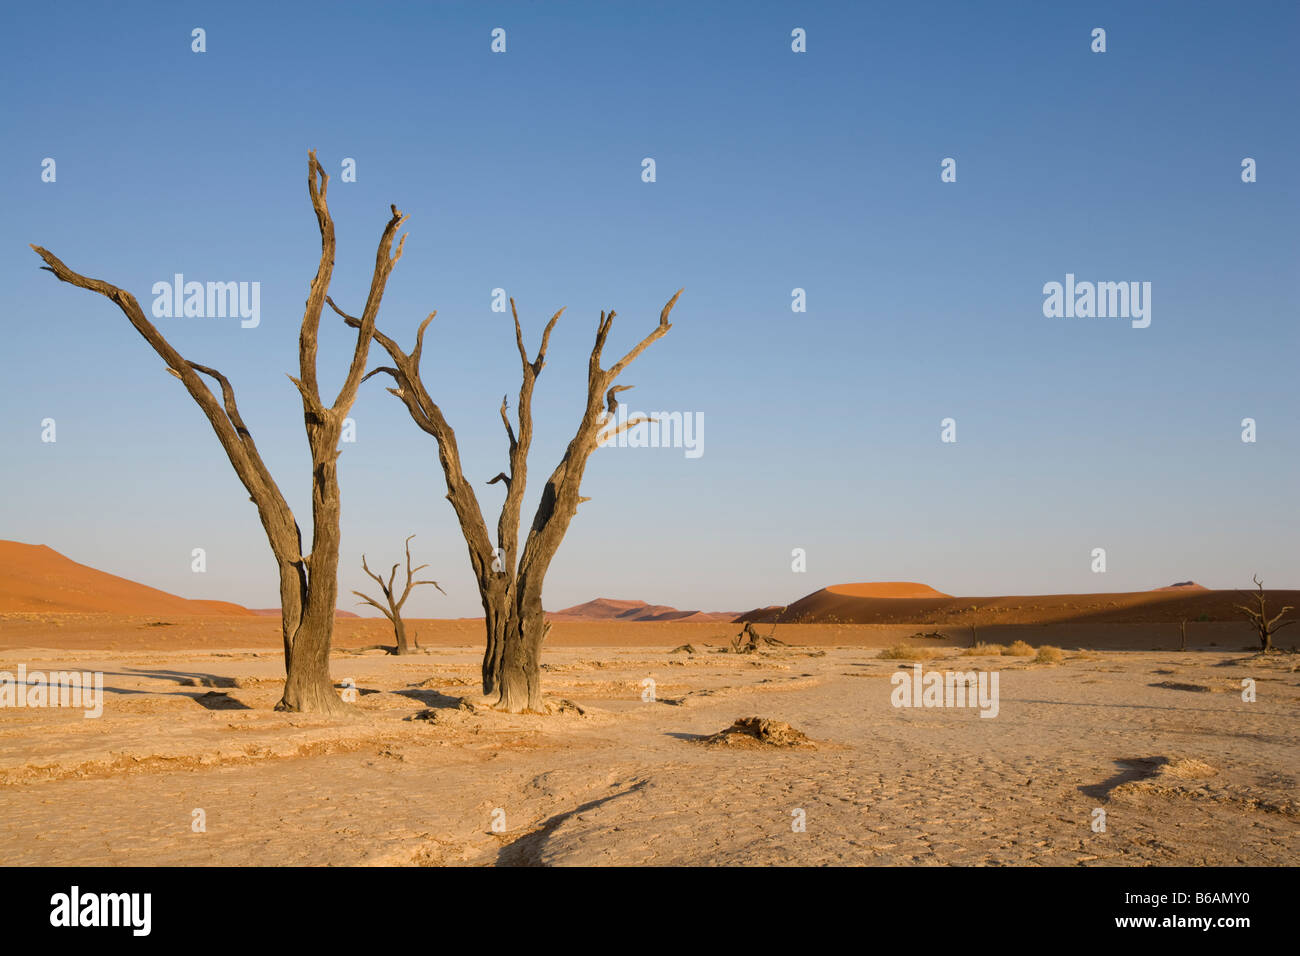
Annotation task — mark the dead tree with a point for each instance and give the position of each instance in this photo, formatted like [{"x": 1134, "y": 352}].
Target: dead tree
[
  {"x": 510, "y": 579},
  {"x": 308, "y": 583},
  {"x": 749, "y": 641},
  {"x": 394, "y": 610},
  {"x": 1259, "y": 619}
]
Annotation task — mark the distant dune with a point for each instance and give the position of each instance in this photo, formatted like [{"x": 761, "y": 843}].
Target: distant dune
[
  {"x": 607, "y": 609},
  {"x": 886, "y": 589},
  {"x": 37, "y": 578},
  {"x": 903, "y": 603},
  {"x": 275, "y": 612}
]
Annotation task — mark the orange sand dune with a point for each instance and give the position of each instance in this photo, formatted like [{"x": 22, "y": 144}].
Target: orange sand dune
[
  {"x": 848, "y": 604},
  {"x": 36, "y": 578},
  {"x": 608, "y": 609},
  {"x": 886, "y": 589}
]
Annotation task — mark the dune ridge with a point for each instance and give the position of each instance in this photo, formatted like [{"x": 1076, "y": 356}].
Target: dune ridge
[
  {"x": 905, "y": 603},
  {"x": 609, "y": 609}
]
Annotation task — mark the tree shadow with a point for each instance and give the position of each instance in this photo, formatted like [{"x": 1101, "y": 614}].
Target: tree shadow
[
  {"x": 527, "y": 849},
  {"x": 430, "y": 698},
  {"x": 184, "y": 678},
  {"x": 212, "y": 700},
  {"x": 218, "y": 700},
  {"x": 1131, "y": 768}
]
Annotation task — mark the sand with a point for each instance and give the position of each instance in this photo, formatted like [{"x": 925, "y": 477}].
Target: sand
[{"x": 1186, "y": 772}]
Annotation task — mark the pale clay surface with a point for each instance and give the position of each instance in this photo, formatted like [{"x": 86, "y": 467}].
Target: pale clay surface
[{"x": 626, "y": 783}]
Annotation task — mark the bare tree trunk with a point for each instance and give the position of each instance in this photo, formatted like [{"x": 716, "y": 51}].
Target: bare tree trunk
[
  {"x": 308, "y": 686},
  {"x": 399, "y": 636},
  {"x": 521, "y": 661},
  {"x": 496, "y": 619},
  {"x": 293, "y": 595}
]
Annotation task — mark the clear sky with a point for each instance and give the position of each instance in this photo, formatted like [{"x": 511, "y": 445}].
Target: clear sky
[{"x": 775, "y": 170}]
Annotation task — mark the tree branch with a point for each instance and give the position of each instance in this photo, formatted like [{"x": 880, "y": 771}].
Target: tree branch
[
  {"x": 384, "y": 263},
  {"x": 235, "y": 438}
]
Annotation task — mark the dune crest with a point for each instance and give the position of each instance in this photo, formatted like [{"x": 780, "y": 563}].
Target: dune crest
[
  {"x": 886, "y": 589},
  {"x": 609, "y": 609}
]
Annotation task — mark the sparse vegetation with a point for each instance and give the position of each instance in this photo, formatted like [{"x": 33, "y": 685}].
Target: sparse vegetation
[
  {"x": 1047, "y": 654},
  {"x": 984, "y": 650},
  {"x": 1018, "y": 649},
  {"x": 749, "y": 641},
  {"x": 1265, "y": 626},
  {"x": 394, "y": 609},
  {"x": 902, "y": 652}
]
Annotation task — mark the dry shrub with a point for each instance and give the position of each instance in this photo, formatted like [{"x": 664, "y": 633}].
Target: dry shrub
[
  {"x": 1047, "y": 654},
  {"x": 1018, "y": 649},
  {"x": 758, "y": 731},
  {"x": 901, "y": 652},
  {"x": 984, "y": 650}
]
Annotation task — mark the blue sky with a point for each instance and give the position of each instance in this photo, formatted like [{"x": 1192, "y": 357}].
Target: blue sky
[{"x": 775, "y": 170}]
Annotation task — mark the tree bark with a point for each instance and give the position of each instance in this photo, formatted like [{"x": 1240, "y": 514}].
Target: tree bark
[
  {"x": 399, "y": 635},
  {"x": 496, "y": 618},
  {"x": 308, "y": 687},
  {"x": 521, "y": 662}
]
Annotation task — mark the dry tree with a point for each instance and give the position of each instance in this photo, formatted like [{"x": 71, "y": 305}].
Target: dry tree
[
  {"x": 749, "y": 641},
  {"x": 510, "y": 578},
  {"x": 308, "y": 583},
  {"x": 1265, "y": 626},
  {"x": 394, "y": 610}
]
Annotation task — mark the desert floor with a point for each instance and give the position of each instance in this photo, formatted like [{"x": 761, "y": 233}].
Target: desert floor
[{"x": 1185, "y": 770}]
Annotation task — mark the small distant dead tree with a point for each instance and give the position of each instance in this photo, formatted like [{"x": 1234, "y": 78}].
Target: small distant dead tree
[
  {"x": 1266, "y": 626},
  {"x": 510, "y": 579},
  {"x": 308, "y": 583},
  {"x": 749, "y": 641},
  {"x": 394, "y": 610}
]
